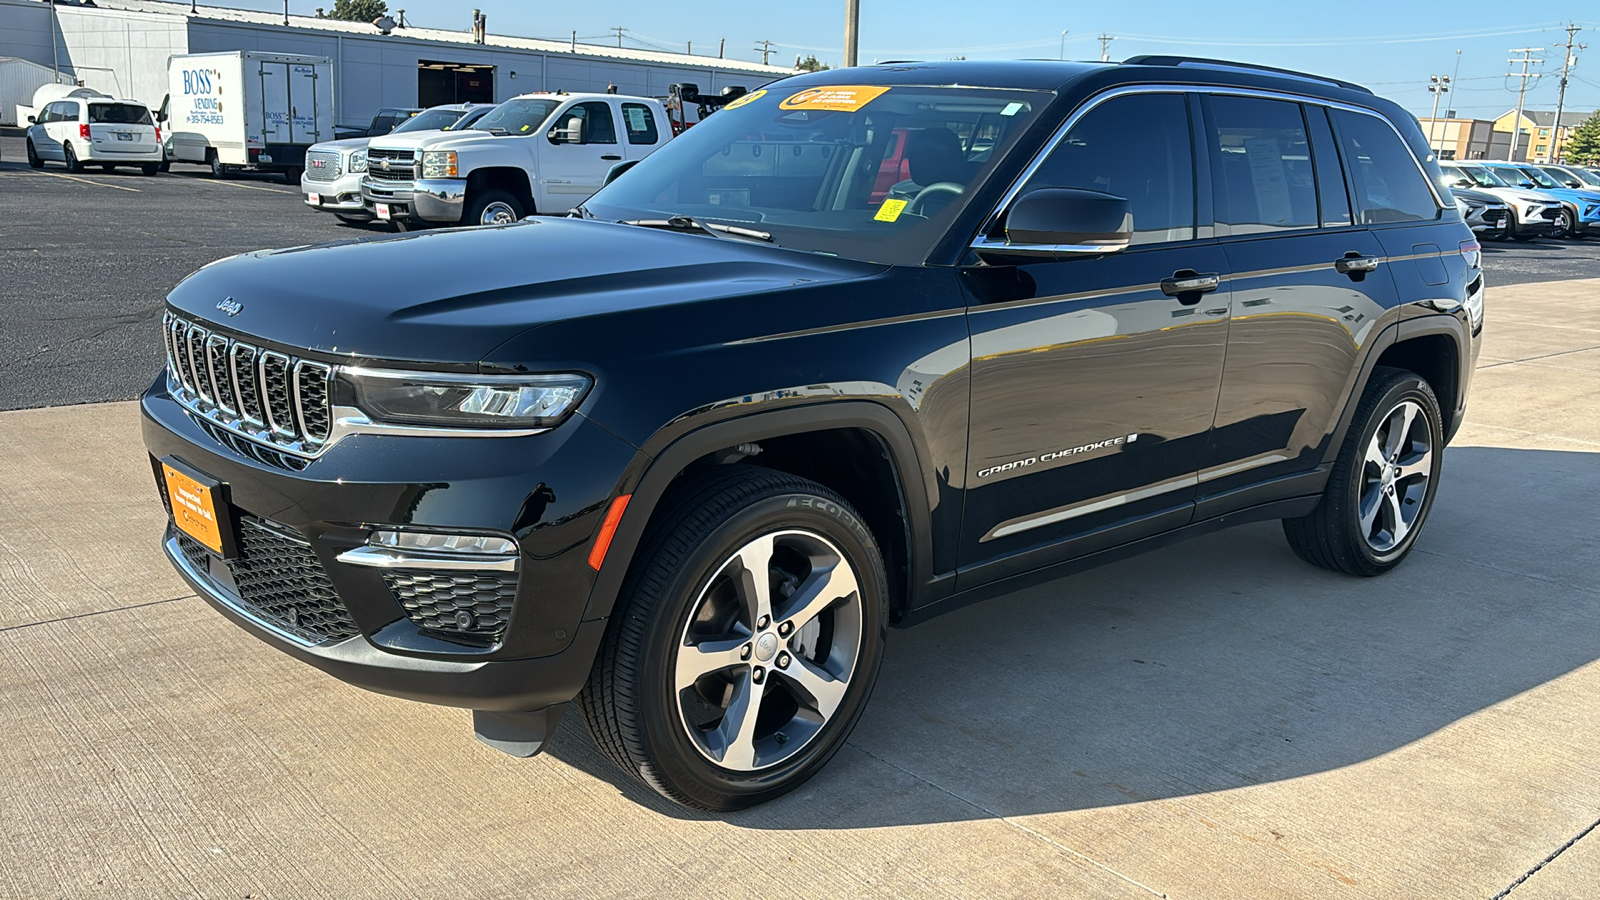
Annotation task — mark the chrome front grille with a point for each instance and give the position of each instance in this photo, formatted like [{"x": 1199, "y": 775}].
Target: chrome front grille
[
  {"x": 401, "y": 165},
  {"x": 324, "y": 165},
  {"x": 264, "y": 395}
]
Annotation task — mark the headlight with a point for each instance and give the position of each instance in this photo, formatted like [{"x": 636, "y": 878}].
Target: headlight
[
  {"x": 358, "y": 161},
  {"x": 466, "y": 401},
  {"x": 439, "y": 164}
]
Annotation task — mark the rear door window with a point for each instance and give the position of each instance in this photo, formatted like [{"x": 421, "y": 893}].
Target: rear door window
[
  {"x": 1266, "y": 179},
  {"x": 119, "y": 114},
  {"x": 1135, "y": 147},
  {"x": 639, "y": 122},
  {"x": 1385, "y": 179}
]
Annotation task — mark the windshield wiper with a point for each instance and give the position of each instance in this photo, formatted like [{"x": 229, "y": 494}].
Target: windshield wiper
[
  {"x": 494, "y": 129},
  {"x": 690, "y": 223}
]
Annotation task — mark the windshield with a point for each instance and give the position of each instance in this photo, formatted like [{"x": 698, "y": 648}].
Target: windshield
[
  {"x": 119, "y": 114},
  {"x": 867, "y": 172},
  {"x": 517, "y": 116},
  {"x": 469, "y": 118},
  {"x": 1540, "y": 178},
  {"x": 428, "y": 120},
  {"x": 1583, "y": 175},
  {"x": 1480, "y": 176}
]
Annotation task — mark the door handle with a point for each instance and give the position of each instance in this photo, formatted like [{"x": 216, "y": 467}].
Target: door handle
[
  {"x": 1189, "y": 286},
  {"x": 610, "y": 156},
  {"x": 1355, "y": 265}
]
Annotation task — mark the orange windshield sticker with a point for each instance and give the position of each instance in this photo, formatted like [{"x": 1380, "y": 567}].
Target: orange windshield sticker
[
  {"x": 848, "y": 98},
  {"x": 751, "y": 97}
]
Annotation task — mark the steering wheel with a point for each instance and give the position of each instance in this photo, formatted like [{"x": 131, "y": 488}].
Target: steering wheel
[{"x": 938, "y": 187}]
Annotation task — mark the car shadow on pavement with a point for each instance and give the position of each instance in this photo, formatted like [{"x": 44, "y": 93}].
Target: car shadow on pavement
[{"x": 1219, "y": 663}]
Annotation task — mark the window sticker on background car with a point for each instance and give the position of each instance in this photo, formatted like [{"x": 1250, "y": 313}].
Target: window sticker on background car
[
  {"x": 751, "y": 97},
  {"x": 891, "y": 210},
  {"x": 848, "y": 98}
]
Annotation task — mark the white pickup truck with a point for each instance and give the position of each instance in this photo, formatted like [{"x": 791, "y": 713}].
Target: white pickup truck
[{"x": 537, "y": 153}]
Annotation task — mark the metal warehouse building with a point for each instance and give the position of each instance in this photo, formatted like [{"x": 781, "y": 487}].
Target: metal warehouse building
[{"x": 121, "y": 47}]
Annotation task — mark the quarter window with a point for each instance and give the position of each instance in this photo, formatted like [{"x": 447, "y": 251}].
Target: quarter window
[
  {"x": 1266, "y": 179},
  {"x": 1385, "y": 180},
  {"x": 1135, "y": 147},
  {"x": 640, "y": 124}
]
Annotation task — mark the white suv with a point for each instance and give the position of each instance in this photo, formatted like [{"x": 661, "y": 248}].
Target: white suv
[{"x": 100, "y": 131}]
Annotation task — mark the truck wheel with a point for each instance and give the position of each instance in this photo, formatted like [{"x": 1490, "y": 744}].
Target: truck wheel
[
  {"x": 493, "y": 208},
  {"x": 34, "y": 162},
  {"x": 218, "y": 170},
  {"x": 746, "y": 642},
  {"x": 70, "y": 156},
  {"x": 1382, "y": 485},
  {"x": 292, "y": 176}
]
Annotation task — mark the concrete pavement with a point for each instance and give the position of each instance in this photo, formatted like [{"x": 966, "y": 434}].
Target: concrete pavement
[{"x": 1215, "y": 719}]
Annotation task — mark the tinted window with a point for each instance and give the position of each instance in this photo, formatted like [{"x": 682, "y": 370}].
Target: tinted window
[
  {"x": 640, "y": 123},
  {"x": 1385, "y": 180},
  {"x": 428, "y": 120},
  {"x": 1136, "y": 148},
  {"x": 119, "y": 114},
  {"x": 1267, "y": 182},
  {"x": 1332, "y": 195}
]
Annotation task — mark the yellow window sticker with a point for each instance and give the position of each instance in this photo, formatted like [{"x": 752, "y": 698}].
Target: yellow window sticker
[
  {"x": 751, "y": 97},
  {"x": 847, "y": 98},
  {"x": 890, "y": 210}
]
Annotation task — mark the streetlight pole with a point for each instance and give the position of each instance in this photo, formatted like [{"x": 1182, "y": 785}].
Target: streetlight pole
[
  {"x": 852, "y": 31},
  {"x": 1063, "y": 53},
  {"x": 1438, "y": 86}
]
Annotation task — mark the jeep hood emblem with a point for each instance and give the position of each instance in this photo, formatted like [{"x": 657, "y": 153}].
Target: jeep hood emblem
[{"x": 230, "y": 306}]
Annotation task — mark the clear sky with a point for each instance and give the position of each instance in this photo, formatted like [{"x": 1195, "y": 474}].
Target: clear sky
[{"x": 1390, "y": 47}]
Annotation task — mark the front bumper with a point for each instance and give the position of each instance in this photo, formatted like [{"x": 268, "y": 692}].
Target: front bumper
[
  {"x": 548, "y": 490},
  {"x": 342, "y": 195},
  {"x": 433, "y": 200}
]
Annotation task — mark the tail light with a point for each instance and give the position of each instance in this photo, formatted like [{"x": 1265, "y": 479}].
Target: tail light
[
  {"x": 83, "y": 131},
  {"x": 1472, "y": 252},
  {"x": 158, "y": 134}
]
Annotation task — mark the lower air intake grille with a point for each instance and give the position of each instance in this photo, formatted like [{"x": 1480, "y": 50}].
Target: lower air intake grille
[
  {"x": 281, "y": 580},
  {"x": 470, "y": 603}
]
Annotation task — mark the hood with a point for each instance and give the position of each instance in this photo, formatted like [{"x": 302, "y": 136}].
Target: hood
[
  {"x": 449, "y": 297},
  {"x": 416, "y": 140},
  {"x": 342, "y": 146}
]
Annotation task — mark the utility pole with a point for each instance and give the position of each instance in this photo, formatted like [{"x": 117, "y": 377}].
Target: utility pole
[
  {"x": 1104, "y": 40},
  {"x": 765, "y": 50},
  {"x": 1438, "y": 86},
  {"x": 1567, "y": 61},
  {"x": 1522, "y": 89},
  {"x": 852, "y": 31},
  {"x": 618, "y": 30},
  {"x": 1063, "y": 53},
  {"x": 722, "y": 44}
]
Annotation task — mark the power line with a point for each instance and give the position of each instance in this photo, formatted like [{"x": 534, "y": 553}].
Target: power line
[
  {"x": 765, "y": 50},
  {"x": 1105, "y": 40}
]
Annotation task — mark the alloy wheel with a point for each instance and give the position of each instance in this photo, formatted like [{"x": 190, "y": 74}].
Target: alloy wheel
[
  {"x": 1394, "y": 477},
  {"x": 769, "y": 650}
]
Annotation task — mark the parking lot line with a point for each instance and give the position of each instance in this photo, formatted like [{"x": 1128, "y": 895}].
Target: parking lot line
[
  {"x": 248, "y": 187},
  {"x": 117, "y": 187}
]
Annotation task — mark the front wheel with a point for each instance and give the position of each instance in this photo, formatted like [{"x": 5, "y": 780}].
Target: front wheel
[
  {"x": 1568, "y": 227},
  {"x": 1382, "y": 485},
  {"x": 34, "y": 162},
  {"x": 746, "y": 643},
  {"x": 493, "y": 208}
]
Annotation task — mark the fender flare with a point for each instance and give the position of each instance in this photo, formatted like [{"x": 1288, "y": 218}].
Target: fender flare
[
  {"x": 1395, "y": 333},
  {"x": 651, "y": 485}
]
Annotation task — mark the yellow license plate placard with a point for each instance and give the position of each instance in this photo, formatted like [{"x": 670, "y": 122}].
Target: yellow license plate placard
[{"x": 197, "y": 507}]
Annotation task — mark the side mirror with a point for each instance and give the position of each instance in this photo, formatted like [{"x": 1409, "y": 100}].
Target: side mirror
[
  {"x": 616, "y": 171},
  {"x": 33, "y": 120},
  {"x": 1056, "y": 221},
  {"x": 1461, "y": 183},
  {"x": 572, "y": 131},
  {"x": 1526, "y": 184}
]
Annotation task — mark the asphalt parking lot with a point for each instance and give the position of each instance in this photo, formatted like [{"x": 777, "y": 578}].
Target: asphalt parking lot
[{"x": 1215, "y": 719}]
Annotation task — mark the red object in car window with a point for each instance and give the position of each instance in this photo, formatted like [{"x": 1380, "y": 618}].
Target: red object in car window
[{"x": 894, "y": 169}]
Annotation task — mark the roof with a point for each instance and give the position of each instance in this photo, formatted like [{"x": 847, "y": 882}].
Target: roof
[
  {"x": 1541, "y": 118},
  {"x": 439, "y": 35}
]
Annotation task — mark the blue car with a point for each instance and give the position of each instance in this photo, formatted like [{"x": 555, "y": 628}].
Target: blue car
[{"x": 1581, "y": 208}]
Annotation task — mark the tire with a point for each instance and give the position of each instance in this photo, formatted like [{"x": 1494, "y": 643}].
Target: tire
[
  {"x": 663, "y": 716},
  {"x": 292, "y": 176},
  {"x": 150, "y": 168},
  {"x": 493, "y": 207},
  {"x": 1568, "y": 227},
  {"x": 165, "y": 165},
  {"x": 34, "y": 162},
  {"x": 218, "y": 170},
  {"x": 1383, "y": 469},
  {"x": 70, "y": 156},
  {"x": 108, "y": 168}
]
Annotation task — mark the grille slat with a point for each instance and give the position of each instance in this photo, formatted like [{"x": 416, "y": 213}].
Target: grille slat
[
  {"x": 402, "y": 165},
  {"x": 278, "y": 576},
  {"x": 275, "y": 399},
  {"x": 324, "y": 165}
]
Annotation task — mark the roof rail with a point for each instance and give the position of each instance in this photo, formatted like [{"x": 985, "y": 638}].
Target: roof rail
[{"x": 1200, "y": 62}]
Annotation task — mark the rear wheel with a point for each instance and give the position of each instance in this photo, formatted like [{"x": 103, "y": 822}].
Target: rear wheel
[
  {"x": 70, "y": 156},
  {"x": 218, "y": 170},
  {"x": 150, "y": 168},
  {"x": 292, "y": 176},
  {"x": 746, "y": 642},
  {"x": 493, "y": 207},
  {"x": 1382, "y": 485},
  {"x": 34, "y": 162}
]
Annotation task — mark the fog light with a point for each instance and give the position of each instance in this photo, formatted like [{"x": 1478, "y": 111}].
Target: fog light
[{"x": 438, "y": 542}]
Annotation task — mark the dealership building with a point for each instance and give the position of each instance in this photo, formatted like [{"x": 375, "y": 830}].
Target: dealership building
[{"x": 121, "y": 47}]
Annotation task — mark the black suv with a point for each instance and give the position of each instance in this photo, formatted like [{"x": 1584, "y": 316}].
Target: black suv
[{"x": 861, "y": 348}]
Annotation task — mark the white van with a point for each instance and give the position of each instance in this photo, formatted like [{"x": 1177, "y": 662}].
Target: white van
[
  {"x": 247, "y": 110},
  {"x": 90, "y": 128}
]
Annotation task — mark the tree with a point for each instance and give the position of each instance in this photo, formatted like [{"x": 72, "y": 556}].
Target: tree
[
  {"x": 812, "y": 64},
  {"x": 1583, "y": 148},
  {"x": 358, "y": 10}
]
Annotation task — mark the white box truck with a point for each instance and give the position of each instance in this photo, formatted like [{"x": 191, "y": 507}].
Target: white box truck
[{"x": 247, "y": 110}]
